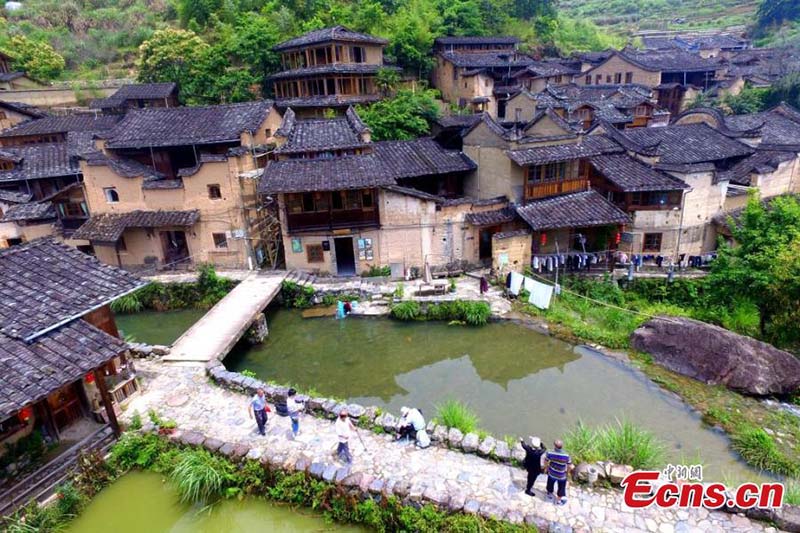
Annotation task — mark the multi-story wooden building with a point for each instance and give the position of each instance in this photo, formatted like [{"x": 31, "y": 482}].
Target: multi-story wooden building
[
  {"x": 332, "y": 68},
  {"x": 169, "y": 187}
]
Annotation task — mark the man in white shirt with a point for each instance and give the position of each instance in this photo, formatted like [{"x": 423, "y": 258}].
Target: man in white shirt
[
  {"x": 294, "y": 408},
  {"x": 411, "y": 423},
  {"x": 344, "y": 430}
]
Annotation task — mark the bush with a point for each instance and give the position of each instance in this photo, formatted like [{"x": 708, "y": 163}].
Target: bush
[
  {"x": 455, "y": 414},
  {"x": 200, "y": 477},
  {"x": 136, "y": 451},
  {"x": 297, "y": 296},
  {"x": 582, "y": 444},
  {"x": 472, "y": 313},
  {"x": 406, "y": 310},
  {"x": 623, "y": 443},
  {"x": 759, "y": 450},
  {"x": 377, "y": 271}
]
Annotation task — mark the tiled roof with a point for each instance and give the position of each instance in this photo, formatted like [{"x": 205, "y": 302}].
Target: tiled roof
[
  {"x": 109, "y": 227},
  {"x": 492, "y": 218},
  {"x": 37, "y": 161},
  {"x": 311, "y": 135},
  {"x": 576, "y": 210},
  {"x": 23, "y": 109},
  {"x": 477, "y": 39},
  {"x": 61, "y": 124},
  {"x": 127, "y": 168},
  {"x": 767, "y": 64},
  {"x": 669, "y": 60},
  {"x": 547, "y": 68},
  {"x": 390, "y": 161},
  {"x": 632, "y": 175},
  {"x": 138, "y": 91},
  {"x": 45, "y": 283},
  {"x": 416, "y": 193},
  {"x": 590, "y": 145},
  {"x": 459, "y": 121},
  {"x": 11, "y": 76},
  {"x": 179, "y": 126},
  {"x": 333, "y": 68},
  {"x": 687, "y": 143},
  {"x": 13, "y": 197},
  {"x": 335, "y": 33},
  {"x": 487, "y": 59},
  {"x": 509, "y": 234},
  {"x": 778, "y": 127},
  {"x": 573, "y": 95},
  {"x": 326, "y": 101},
  {"x": 29, "y": 212},
  {"x": 761, "y": 162},
  {"x": 31, "y": 371}
]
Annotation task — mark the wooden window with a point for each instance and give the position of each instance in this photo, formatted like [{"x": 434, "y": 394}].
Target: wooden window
[
  {"x": 588, "y": 79},
  {"x": 294, "y": 203},
  {"x": 608, "y": 78},
  {"x": 112, "y": 196},
  {"x": 6, "y": 165},
  {"x": 618, "y": 78},
  {"x": 214, "y": 192},
  {"x": 2, "y": 115},
  {"x": 629, "y": 77},
  {"x": 366, "y": 199},
  {"x": 220, "y": 240},
  {"x": 642, "y": 111},
  {"x": 598, "y": 79},
  {"x": 353, "y": 200},
  {"x": 322, "y": 201},
  {"x": 314, "y": 253},
  {"x": 336, "y": 200},
  {"x": 121, "y": 246},
  {"x": 71, "y": 209},
  {"x": 330, "y": 86},
  {"x": 308, "y": 202},
  {"x": 359, "y": 54},
  {"x": 652, "y": 242}
]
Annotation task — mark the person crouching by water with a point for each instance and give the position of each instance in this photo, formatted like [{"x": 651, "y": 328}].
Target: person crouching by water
[
  {"x": 558, "y": 464},
  {"x": 344, "y": 430},
  {"x": 412, "y": 424},
  {"x": 294, "y": 407},
  {"x": 259, "y": 409},
  {"x": 534, "y": 460}
]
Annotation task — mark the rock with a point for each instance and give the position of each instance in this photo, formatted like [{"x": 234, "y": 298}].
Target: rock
[
  {"x": 159, "y": 349},
  {"x": 389, "y": 422},
  {"x": 472, "y": 507},
  {"x": 376, "y": 486},
  {"x": 316, "y": 469},
  {"x": 515, "y": 517},
  {"x": 353, "y": 480},
  {"x": 355, "y": 410},
  {"x": 329, "y": 474},
  {"x": 502, "y": 451},
  {"x": 254, "y": 455},
  {"x": 438, "y": 497},
  {"x": 341, "y": 473},
  {"x": 457, "y": 501},
  {"x": 491, "y": 511},
  {"x": 470, "y": 443},
  {"x": 487, "y": 446},
  {"x": 401, "y": 488},
  {"x": 518, "y": 453},
  {"x": 717, "y": 356},
  {"x": 431, "y": 426},
  {"x": 192, "y": 438},
  {"x": 618, "y": 472},
  {"x": 439, "y": 434},
  {"x": 454, "y": 437},
  {"x": 584, "y": 471},
  {"x": 788, "y": 518},
  {"x": 315, "y": 404},
  {"x": 371, "y": 412},
  {"x": 302, "y": 464}
]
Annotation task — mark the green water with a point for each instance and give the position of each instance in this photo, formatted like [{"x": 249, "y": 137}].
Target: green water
[
  {"x": 155, "y": 327},
  {"x": 140, "y": 502}
]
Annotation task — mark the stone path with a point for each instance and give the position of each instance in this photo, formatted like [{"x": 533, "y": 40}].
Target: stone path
[
  {"x": 213, "y": 336},
  {"x": 457, "y": 480}
]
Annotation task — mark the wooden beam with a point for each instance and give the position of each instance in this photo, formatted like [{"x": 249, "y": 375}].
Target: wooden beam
[{"x": 102, "y": 386}]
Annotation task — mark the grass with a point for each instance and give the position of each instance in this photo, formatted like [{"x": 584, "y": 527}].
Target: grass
[
  {"x": 621, "y": 443},
  {"x": 761, "y": 451},
  {"x": 454, "y": 414},
  {"x": 200, "y": 477},
  {"x": 459, "y": 311}
]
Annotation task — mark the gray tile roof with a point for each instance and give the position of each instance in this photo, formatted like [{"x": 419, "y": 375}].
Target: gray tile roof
[
  {"x": 408, "y": 191},
  {"x": 390, "y": 161},
  {"x": 37, "y": 161},
  {"x": 576, "y": 210},
  {"x": 687, "y": 143},
  {"x": 761, "y": 162},
  {"x": 127, "y": 168},
  {"x": 477, "y": 39},
  {"x": 632, "y": 175},
  {"x": 23, "y": 109},
  {"x": 335, "y": 33},
  {"x": 14, "y": 197},
  {"x": 45, "y": 283},
  {"x": 31, "y": 371},
  {"x": 32, "y": 211},
  {"x": 493, "y": 217},
  {"x": 310, "y": 135},
  {"x": 326, "y": 101},
  {"x": 137, "y": 91},
  {"x": 478, "y": 60},
  {"x": 333, "y": 68},
  {"x": 61, "y": 124},
  {"x": 670, "y": 60},
  {"x": 11, "y": 76},
  {"x": 590, "y": 145},
  {"x": 109, "y": 227},
  {"x": 778, "y": 127},
  {"x": 459, "y": 121},
  {"x": 181, "y": 126}
]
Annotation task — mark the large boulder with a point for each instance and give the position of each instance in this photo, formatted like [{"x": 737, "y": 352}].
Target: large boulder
[{"x": 718, "y": 356}]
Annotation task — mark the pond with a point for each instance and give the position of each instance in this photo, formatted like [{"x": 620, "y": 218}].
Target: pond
[
  {"x": 140, "y": 501},
  {"x": 518, "y": 381},
  {"x": 154, "y": 327}
]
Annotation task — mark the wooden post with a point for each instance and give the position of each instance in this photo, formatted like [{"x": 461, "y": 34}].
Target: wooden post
[{"x": 102, "y": 386}]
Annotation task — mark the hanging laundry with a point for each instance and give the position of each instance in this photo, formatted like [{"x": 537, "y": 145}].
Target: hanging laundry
[
  {"x": 527, "y": 284},
  {"x": 549, "y": 264},
  {"x": 541, "y": 295},
  {"x": 516, "y": 283},
  {"x": 535, "y": 262}
]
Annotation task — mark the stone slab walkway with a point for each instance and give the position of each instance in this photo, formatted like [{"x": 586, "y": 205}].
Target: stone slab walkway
[
  {"x": 457, "y": 480},
  {"x": 213, "y": 336}
]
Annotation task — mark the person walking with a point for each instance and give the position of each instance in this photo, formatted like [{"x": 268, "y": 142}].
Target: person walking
[
  {"x": 259, "y": 409},
  {"x": 558, "y": 464},
  {"x": 294, "y": 408},
  {"x": 344, "y": 430},
  {"x": 534, "y": 459}
]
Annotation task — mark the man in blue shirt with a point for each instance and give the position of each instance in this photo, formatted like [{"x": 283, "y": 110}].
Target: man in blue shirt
[
  {"x": 558, "y": 464},
  {"x": 259, "y": 408}
]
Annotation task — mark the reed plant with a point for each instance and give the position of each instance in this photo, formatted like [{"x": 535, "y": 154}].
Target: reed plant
[
  {"x": 454, "y": 414},
  {"x": 201, "y": 477}
]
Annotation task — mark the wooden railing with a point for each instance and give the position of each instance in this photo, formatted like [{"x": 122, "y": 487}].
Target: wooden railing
[
  {"x": 554, "y": 188},
  {"x": 124, "y": 390},
  {"x": 350, "y": 218}
]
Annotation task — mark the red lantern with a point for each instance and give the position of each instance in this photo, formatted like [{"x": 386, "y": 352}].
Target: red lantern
[
  {"x": 25, "y": 414},
  {"x": 543, "y": 239},
  {"x": 89, "y": 378},
  {"x": 618, "y": 238}
]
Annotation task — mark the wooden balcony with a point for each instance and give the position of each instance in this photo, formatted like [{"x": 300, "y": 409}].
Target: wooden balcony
[
  {"x": 335, "y": 219},
  {"x": 534, "y": 191}
]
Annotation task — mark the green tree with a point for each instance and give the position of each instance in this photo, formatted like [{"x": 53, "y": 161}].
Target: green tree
[
  {"x": 199, "y": 11},
  {"x": 407, "y": 115},
  {"x": 759, "y": 267},
  {"x": 528, "y": 9},
  {"x": 387, "y": 80},
  {"x": 749, "y": 100},
  {"x": 172, "y": 55},
  {"x": 462, "y": 17},
  {"x": 776, "y": 11},
  {"x": 411, "y": 33},
  {"x": 38, "y": 59},
  {"x": 787, "y": 89}
]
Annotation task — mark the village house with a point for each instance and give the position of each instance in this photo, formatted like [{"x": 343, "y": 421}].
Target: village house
[
  {"x": 65, "y": 370},
  {"x": 14, "y": 80},
  {"x": 55, "y": 129},
  {"x": 624, "y": 106},
  {"x": 138, "y": 96},
  {"x": 166, "y": 188},
  {"x": 677, "y": 75},
  {"x": 12, "y": 113},
  {"x": 347, "y": 203},
  {"x": 714, "y": 44},
  {"x": 477, "y": 73},
  {"x": 539, "y": 75},
  {"x": 331, "y": 68}
]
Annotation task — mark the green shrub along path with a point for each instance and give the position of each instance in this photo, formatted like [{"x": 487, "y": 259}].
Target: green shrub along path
[{"x": 455, "y": 479}]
